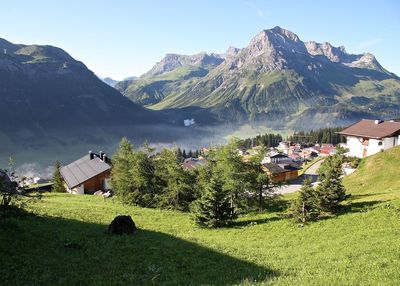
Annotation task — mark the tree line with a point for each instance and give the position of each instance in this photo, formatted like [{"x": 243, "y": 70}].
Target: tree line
[
  {"x": 268, "y": 140},
  {"x": 321, "y": 136}
]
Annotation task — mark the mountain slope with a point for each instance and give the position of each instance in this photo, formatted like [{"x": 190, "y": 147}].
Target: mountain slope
[
  {"x": 277, "y": 77},
  {"x": 43, "y": 87},
  {"x": 377, "y": 172},
  {"x": 167, "y": 76},
  {"x": 108, "y": 80}
]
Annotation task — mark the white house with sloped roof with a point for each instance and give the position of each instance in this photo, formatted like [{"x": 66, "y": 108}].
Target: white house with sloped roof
[{"x": 368, "y": 137}]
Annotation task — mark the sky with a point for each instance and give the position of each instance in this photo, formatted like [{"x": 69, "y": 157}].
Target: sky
[{"x": 126, "y": 38}]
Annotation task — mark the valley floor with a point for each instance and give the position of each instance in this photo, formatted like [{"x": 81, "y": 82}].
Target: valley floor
[{"x": 63, "y": 241}]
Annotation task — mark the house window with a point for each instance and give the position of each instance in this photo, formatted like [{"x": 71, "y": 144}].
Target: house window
[{"x": 380, "y": 143}]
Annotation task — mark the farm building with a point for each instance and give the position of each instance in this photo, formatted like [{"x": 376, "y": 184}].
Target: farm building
[
  {"x": 88, "y": 174},
  {"x": 368, "y": 137}
]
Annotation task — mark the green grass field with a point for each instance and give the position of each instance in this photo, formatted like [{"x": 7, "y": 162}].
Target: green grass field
[{"x": 64, "y": 242}]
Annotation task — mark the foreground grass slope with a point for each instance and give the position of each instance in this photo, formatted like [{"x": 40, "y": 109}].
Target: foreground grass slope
[{"x": 64, "y": 242}]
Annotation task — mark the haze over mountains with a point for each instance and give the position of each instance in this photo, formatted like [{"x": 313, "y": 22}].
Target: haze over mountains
[
  {"x": 49, "y": 98},
  {"x": 276, "y": 78}
]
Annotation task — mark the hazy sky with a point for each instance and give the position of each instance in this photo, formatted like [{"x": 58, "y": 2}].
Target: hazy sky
[{"x": 125, "y": 38}]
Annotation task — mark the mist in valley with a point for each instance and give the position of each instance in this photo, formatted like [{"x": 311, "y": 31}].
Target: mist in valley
[{"x": 36, "y": 155}]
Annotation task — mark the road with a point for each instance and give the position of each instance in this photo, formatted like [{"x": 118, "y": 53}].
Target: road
[{"x": 295, "y": 185}]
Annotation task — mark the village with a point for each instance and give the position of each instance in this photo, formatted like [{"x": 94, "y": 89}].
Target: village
[{"x": 287, "y": 164}]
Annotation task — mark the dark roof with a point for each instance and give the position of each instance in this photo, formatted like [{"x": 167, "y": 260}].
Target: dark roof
[
  {"x": 369, "y": 129},
  {"x": 278, "y": 155},
  {"x": 280, "y": 168},
  {"x": 83, "y": 169}
]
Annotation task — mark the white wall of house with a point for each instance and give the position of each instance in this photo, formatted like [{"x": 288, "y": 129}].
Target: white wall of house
[
  {"x": 356, "y": 147},
  {"x": 389, "y": 142},
  {"x": 79, "y": 190},
  {"x": 374, "y": 146}
]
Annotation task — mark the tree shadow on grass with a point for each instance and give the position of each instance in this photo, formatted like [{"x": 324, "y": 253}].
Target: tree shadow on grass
[
  {"x": 357, "y": 207},
  {"x": 54, "y": 251},
  {"x": 248, "y": 222}
]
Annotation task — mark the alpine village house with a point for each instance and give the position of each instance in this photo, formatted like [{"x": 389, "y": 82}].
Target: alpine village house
[
  {"x": 88, "y": 174},
  {"x": 368, "y": 137}
]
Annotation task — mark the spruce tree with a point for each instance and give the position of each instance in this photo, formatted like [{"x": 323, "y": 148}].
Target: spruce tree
[
  {"x": 213, "y": 209},
  {"x": 58, "y": 182},
  {"x": 305, "y": 208},
  {"x": 121, "y": 177},
  {"x": 331, "y": 192}
]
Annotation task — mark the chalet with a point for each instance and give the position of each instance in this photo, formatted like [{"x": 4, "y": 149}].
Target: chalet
[
  {"x": 368, "y": 137},
  {"x": 277, "y": 158},
  {"x": 281, "y": 172},
  {"x": 88, "y": 174}
]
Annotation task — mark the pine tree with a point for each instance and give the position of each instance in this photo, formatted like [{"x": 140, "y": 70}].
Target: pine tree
[
  {"x": 213, "y": 209},
  {"x": 331, "y": 192},
  {"x": 175, "y": 185},
  {"x": 58, "y": 182},
  {"x": 121, "y": 177},
  {"x": 305, "y": 208}
]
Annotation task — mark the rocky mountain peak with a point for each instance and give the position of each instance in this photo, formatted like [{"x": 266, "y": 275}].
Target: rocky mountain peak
[
  {"x": 232, "y": 51},
  {"x": 326, "y": 49},
  {"x": 173, "y": 61},
  {"x": 284, "y": 33}
]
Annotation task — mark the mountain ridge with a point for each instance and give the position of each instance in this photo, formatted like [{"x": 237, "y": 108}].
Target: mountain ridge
[{"x": 278, "y": 77}]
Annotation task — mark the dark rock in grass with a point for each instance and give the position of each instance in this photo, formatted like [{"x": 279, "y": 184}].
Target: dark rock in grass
[{"x": 122, "y": 224}]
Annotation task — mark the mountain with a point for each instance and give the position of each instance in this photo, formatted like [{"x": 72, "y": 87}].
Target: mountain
[
  {"x": 167, "y": 75},
  {"x": 108, "y": 80},
  {"x": 130, "y": 78},
  {"x": 276, "y": 78},
  {"x": 43, "y": 89}
]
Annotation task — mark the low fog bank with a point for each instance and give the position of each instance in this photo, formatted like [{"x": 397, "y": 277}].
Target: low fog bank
[{"x": 36, "y": 155}]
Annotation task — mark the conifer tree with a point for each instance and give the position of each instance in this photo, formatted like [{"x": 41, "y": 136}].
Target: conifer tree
[
  {"x": 213, "y": 209},
  {"x": 58, "y": 182},
  {"x": 305, "y": 208},
  {"x": 121, "y": 177},
  {"x": 331, "y": 192}
]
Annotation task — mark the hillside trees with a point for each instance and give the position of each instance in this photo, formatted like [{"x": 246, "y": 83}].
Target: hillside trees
[
  {"x": 259, "y": 182},
  {"x": 304, "y": 208},
  {"x": 148, "y": 179},
  {"x": 58, "y": 182},
  {"x": 142, "y": 168},
  {"x": 121, "y": 180},
  {"x": 214, "y": 208},
  {"x": 176, "y": 185},
  {"x": 326, "y": 197},
  {"x": 331, "y": 192}
]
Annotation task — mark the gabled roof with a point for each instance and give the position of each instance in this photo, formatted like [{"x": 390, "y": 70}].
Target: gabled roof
[
  {"x": 372, "y": 129},
  {"x": 83, "y": 169},
  {"x": 280, "y": 168}
]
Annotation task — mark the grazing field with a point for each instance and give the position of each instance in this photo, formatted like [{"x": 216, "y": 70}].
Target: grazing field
[{"x": 63, "y": 241}]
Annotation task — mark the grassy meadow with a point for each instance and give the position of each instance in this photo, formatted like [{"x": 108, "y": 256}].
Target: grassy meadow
[{"x": 62, "y": 240}]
